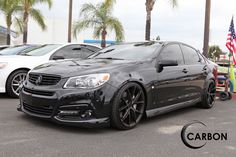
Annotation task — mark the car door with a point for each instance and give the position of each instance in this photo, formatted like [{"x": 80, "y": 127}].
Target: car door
[
  {"x": 198, "y": 70},
  {"x": 171, "y": 85},
  {"x": 73, "y": 51}
]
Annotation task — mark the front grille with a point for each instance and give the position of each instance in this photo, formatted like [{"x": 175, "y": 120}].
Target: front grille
[
  {"x": 37, "y": 92},
  {"x": 44, "y": 80},
  {"x": 40, "y": 110}
]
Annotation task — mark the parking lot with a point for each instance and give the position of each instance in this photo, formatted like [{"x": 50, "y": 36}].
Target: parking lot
[{"x": 23, "y": 136}]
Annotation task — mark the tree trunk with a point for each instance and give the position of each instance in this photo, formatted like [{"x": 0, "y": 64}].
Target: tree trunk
[
  {"x": 70, "y": 20},
  {"x": 103, "y": 43},
  {"x": 8, "y": 35},
  {"x": 25, "y": 25},
  {"x": 149, "y": 6},
  {"x": 207, "y": 28},
  {"x": 148, "y": 26}
]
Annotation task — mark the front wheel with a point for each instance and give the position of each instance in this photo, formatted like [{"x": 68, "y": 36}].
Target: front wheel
[
  {"x": 128, "y": 107},
  {"x": 14, "y": 81},
  {"x": 208, "y": 100}
]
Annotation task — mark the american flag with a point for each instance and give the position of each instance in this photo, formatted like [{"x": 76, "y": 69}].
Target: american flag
[{"x": 231, "y": 41}]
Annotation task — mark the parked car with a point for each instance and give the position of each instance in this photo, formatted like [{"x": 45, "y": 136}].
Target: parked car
[
  {"x": 13, "y": 69},
  {"x": 119, "y": 85},
  {"x": 17, "y": 50},
  {"x": 2, "y": 47}
]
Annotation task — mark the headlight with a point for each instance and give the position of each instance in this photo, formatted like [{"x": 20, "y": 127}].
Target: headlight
[
  {"x": 87, "y": 81},
  {"x": 3, "y": 65}
]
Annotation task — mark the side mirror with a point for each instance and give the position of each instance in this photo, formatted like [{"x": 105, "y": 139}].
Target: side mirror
[
  {"x": 166, "y": 63},
  {"x": 57, "y": 57}
]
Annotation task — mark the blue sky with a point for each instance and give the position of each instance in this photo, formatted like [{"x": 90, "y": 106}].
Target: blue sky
[{"x": 184, "y": 23}]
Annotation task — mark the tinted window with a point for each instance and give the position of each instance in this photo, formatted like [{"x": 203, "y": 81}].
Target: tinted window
[
  {"x": 74, "y": 51},
  {"x": 172, "y": 52},
  {"x": 137, "y": 51},
  {"x": 190, "y": 55}
]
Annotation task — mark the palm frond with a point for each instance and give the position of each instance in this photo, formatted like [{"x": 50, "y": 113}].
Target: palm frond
[
  {"x": 97, "y": 32},
  {"x": 174, "y": 3},
  {"x": 18, "y": 24},
  {"x": 108, "y": 4},
  {"x": 49, "y": 2},
  {"x": 114, "y": 24},
  {"x": 81, "y": 25},
  {"x": 38, "y": 17},
  {"x": 88, "y": 9}
]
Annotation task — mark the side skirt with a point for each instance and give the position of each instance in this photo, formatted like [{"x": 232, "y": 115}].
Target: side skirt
[{"x": 162, "y": 110}]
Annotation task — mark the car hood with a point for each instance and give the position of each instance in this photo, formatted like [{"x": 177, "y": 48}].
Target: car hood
[{"x": 69, "y": 68}]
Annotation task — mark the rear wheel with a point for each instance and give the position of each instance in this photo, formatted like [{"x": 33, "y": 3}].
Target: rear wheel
[
  {"x": 14, "y": 81},
  {"x": 128, "y": 107},
  {"x": 209, "y": 96}
]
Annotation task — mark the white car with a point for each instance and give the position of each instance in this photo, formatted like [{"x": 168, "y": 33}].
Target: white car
[{"x": 13, "y": 69}]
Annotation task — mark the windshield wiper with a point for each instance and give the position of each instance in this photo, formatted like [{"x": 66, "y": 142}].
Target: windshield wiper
[{"x": 111, "y": 58}]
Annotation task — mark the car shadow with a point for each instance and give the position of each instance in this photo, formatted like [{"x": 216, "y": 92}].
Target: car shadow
[
  {"x": 101, "y": 130},
  {"x": 5, "y": 96},
  {"x": 64, "y": 128}
]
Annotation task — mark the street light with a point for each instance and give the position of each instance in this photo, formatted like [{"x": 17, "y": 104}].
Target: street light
[
  {"x": 70, "y": 20},
  {"x": 207, "y": 28}
]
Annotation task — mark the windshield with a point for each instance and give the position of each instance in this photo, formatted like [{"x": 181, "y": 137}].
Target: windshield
[
  {"x": 137, "y": 51},
  {"x": 43, "y": 50},
  {"x": 14, "y": 50}
]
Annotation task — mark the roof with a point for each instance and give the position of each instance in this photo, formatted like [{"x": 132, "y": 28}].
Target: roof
[{"x": 3, "y": 30}]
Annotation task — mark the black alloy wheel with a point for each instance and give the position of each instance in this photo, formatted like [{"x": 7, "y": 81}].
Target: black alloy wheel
[
  {"x": 128, "y": 107},
  {"x": 209, "y": 96},
  {"x": 211, "y": 93}
]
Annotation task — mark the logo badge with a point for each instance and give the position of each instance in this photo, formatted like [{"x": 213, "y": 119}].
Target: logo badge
[
  {"x": 39, "y": 80},
  {"x": 195, "y": 135}
]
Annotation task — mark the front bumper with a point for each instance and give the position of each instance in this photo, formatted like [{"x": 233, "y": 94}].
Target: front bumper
[{"x": 68, "y": 106}]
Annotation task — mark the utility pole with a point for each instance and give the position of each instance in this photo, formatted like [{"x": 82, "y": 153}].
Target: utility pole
[
  {"x": 70, "y": 20},
  {"x": 207, "y": 28}
]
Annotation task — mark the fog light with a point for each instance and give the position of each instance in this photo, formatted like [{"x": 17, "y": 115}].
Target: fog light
[
  {"x": 68, "y": 113},
  {"x": 86, "y": 114}
]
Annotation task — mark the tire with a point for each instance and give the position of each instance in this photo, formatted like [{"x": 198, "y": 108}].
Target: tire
[
  {"x": 224, "y": 96},
  {"x": 128, "y": 106},
  {"x": 208, "y": 98},
  {"x": 14, "y": 81}
]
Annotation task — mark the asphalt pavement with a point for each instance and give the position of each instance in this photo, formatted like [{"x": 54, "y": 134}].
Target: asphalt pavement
[{"x": 23, "y": 136}]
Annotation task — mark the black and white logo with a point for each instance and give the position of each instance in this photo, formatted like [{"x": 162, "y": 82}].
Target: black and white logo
[
  {"x": 196, "y": 135},
  {"x": 39, "y": 80}
]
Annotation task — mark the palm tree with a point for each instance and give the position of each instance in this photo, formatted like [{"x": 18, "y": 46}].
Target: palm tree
[
  {"x": 149, "y": 7},
  {"x": 26, "y": 7},
  {"x": 99, "y": 17},
  {"x": 7, "y": 7},
  {"x": 215, "y": 52}
]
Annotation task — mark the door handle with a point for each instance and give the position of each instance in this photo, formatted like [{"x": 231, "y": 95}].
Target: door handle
[{"x": 184, "y": 70}]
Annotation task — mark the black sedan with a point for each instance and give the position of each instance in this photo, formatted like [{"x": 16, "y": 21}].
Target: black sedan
[{"x": 119, "y": 85}]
